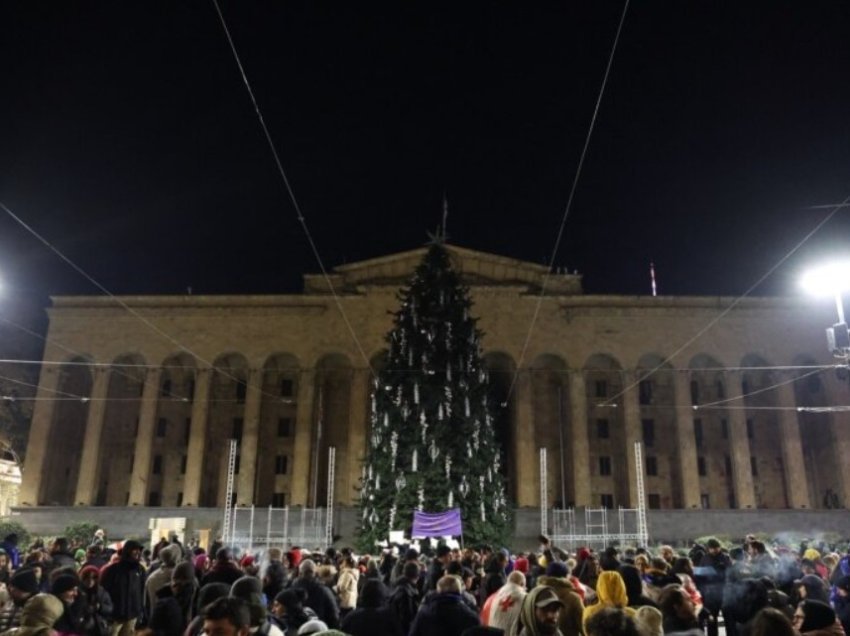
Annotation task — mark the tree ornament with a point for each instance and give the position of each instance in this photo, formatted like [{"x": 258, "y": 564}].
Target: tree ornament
[
  {"x": 416, "y": 393},
  {"x": 421, "y": 498},
  {"x": 483, "y": 513},
  {"x": 377, "y": 482},
  {"x": 463, "y": 489},
  {"x": 414, "y": 461},
  {"x": 448, "y": 371},
  {"x": 400, "y": 482},
  {"x": 448, "y": 465},
  {"x": 386, "y": 420},
  {"x": 393, "y": 449},
  {"x": 469, "y": 450},
  {"x": 451, "y": 501},
  {"x": 433, "y": 451},
  {"x": 466, "y": 410},
  {"x": 392, "y": 517},
  {"x": 440, "y": 412},
  {"x": 370, "y": 472},
  {"x": 490, "y": 475}
]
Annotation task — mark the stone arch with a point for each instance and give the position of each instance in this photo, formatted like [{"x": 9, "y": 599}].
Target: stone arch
[
  {"x": 762, "y": 423},
  {"x": 276, "y": 435},
  {"x": 228, "y": 390},
  {"x": 67, "y": 432},
  {"x": 334, "y": 374},
  {"x": 658, "y": 431},
  {"x": 609, "y": 473},
  {"x": 552, "y": 429},
  {"x": 820, "y": 457},
  {"x": 120, "y": 424},
  {"x": 501, "y": 370}
]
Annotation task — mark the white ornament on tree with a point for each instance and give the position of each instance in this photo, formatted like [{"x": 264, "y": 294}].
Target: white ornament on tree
[
  {"x": 393, "y": 449},
  {"x": 414, "y": 461}
]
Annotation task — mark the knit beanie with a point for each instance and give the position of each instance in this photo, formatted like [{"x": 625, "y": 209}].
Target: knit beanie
[
  {"x": 557, "y": 569},
  {"x": 25, "y": 580},
  {"x": 63, "y": 583},
  {"x": 818, "y": 615},
  {"x": 649, "y": 621}
]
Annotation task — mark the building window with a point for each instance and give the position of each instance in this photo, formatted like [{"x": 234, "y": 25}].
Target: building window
[
  {"x": 157, "y": 465},
  {"x": 179, "y": 499},
  {"x": 190, "y": 390},
  {"x": 651, "y": 466},
  {"x": 183, "y": 461},
  {"x": 238, "y": 423},
  {"x": 645, "y": 392},
  {"x": 165, "y": 389},
  {"x": 602, "y": 429},
  {"x": 750, "y": 427},
  {"x": 653, "y": 500},
  {"x": 701, "y": 466},
  {"x": 727, "y": 462},
  {"x": 237, "y": 463},
  {"x": 154, "y": 499},
  {"x": 287, "y": 388},
  {"x": 607, "y": 501},
  {"x": 648, "y": 432},
  {"x": 284, "y": 427},
  {"x": 604, "y": 465},
  {"x": 601, "y": 388},
  {"x": 745, "y": 387},
  {"x": 136, "y": 428},
  {"x": 813, "y": 384},
  {"x": 187, "y": 430},
  {"x": 704, "y": 501},
  {"x": 754, "y": 467},
  {"x": 161, "y": 426},
  {"x": 280, "y": 465},
  {"x": 279, "y": 500},
  {"x": 721, "y": 390},
  {"x": 698, "y": 431},
  {"x": 241, "y": 390},
  {"x": 724, "y": 429},
  {"x": 694, "y": 392}
]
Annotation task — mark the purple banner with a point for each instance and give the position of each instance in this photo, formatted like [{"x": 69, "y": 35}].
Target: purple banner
[{"x": 437, "y": 524}]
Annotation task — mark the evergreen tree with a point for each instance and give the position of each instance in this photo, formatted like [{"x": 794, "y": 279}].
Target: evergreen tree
[{"x": 432, "y": 445}]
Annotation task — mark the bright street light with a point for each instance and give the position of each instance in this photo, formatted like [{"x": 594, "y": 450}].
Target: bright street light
[{"x": 832, "y": 279}]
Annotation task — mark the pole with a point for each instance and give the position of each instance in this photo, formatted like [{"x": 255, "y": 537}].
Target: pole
[
  {"x": 839, "y": 305},
  {"x": 561, "y": 442}
]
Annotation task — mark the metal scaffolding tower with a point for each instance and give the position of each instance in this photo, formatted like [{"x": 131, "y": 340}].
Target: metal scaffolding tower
[
  {"x": 228, "y": 497},
  {"x": 643, "y": 528},
  {"x": 329, "y": 517},
  {"x": 544, "y": 490}
]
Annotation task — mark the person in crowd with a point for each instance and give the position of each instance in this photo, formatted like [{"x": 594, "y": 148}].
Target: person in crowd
[
  {"x": 841, "y": 601},
  {"x": 571, "y": 615},
  {"x": 444, "y": 613},
  {"x": 657, "y": 577},
  {"x": 206, "y": 595},
  {"x": 683, "y": 569},
  {"x": 612, "y": 622},
  {"x": 501, "y": 610},
  {"x": 772, "y": 622},
  {"x": 290, "y": 611},
  {"x": 249, "y": 589},
  {"x": 405, "y": 598},
  {"x": 649, "y": 621},
  {"x": 22, "y": 586},
  {"x": 816, "y": 618},
  {"x": 346, "y": 585},
  {"x": 38, "y": 617},
  {"x": 678, "y": 611},
  {"x": 455, "y": 568},
  {"x": 667, "y": 553},
  {"x": 761, "y": 562},
  {"x": 587, "y": 568},
  {"x": 5, "y": 567},
  {"x": 60, "y": 556},
  {"x": 319, "y": 596},
  {"x": 227, "y": 616},
  {"x": 274, "y": 576},
  {"x": 438, "y": 567},
  {"x": 610, "y": 592},
  {"x": 124, "y": 581},
  {"x": 538, "y": 615},
  {"x": 811, "y": 586},
  {"x": 711, "y": 581},
  {"x": 224, "y": 570},
  {"x": 95, "y": 556},
  {"x": 95, "y": 601},
  {"x": 172, "y": 612},
  {"x": 65, "y": 587},
  {"x": 10, "y": 547},
  {"x": 161, "y": 577},
  {"x": 373, "y": 614},
  {"x": 634, "y": 587}
]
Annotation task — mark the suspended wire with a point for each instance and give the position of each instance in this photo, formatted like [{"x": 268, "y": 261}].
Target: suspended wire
[
  {"x": 758, "y": 391},
  {"x": 570, "y": 198},
  {"x": 738, "y": 300},
  {"x": 299, "y": 214}
]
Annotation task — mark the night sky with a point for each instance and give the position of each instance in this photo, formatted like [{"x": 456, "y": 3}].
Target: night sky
[{"x": 128, "y": 140}]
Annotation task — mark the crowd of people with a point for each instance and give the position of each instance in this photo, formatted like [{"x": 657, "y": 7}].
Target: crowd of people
[{"x": 750, "y": 589}]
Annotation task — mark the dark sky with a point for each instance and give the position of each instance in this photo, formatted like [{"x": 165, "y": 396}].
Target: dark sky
[{"x": 129, "y": 141}]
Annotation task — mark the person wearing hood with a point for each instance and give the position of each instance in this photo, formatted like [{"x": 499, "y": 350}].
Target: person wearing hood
[
  {"x": 816, "y": 618},
  {"x": 172, "y": 611},
  {"x": 224, "y": 570},
  {"x": 842, "y": 602},
  {"x": 320, "y": 598},
  {"x": 501, "y": 610},
  {"x": 570, "y": 618},
  {"x": 538, "y": 615},
  {"x": 65, "y": 587},
  {"x": 124, "y": 580},
  {"x": 289, "y": 611},
  {"x": 96, "y": 604},
  {"x": 444, "y": 613},
  {"x": 162, "y": 576},
  {"x": 21, "y": 587},
  {"x": 812, "y": 587},
  {"x": 610, "y": 592},
  {"x": 38, "y": 616},
  {"x": 346, "y": 585},
  {"x": 634, "y": 587},
  {"x": 373, "y": 614},
  {"x": 657, "y": 577},
  {"x": 249, "y": 589},
  {"x": 206, "y": 595}
]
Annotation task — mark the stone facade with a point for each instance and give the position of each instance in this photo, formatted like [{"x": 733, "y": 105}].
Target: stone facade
[{"x": 179, "y": 376}]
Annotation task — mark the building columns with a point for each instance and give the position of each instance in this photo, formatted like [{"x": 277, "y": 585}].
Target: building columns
[
  {"x": 686, "y": 441},
  {"x": 527, "y": 464},
  {"x": 631, "y": 433},
  {"x": 839, "y": 424},
  {"x": 144, "y": 439},
  {"x": 42, "y": 422},
  {"x": 246, "y": 486},
  {"x": 360, "y": 390},
  {"x": 794, "y": 470},
  {"x": 739, "y": 444},
  {"x": 89, "y": 461},
  {"x": 197, "y": 438},
  {"x": 581, "y": 445},
  {"x": 301, "y": 459}
]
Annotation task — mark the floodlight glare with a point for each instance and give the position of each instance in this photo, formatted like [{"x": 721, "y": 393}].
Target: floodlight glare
[{"x": 831, "y": 279}]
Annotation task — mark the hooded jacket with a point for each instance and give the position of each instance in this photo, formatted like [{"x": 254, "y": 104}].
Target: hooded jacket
[
  {"x": 38, "y": 616},
  {"x": 571, "y": 615},
  {"x": 610, "y": 592}
]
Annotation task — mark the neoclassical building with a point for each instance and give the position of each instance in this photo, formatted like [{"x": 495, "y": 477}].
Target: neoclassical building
[{"x": 137, "y": 408}]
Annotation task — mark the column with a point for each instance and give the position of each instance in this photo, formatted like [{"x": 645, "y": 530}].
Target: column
[
  {"x": 303, "y": 438},
  {"x": 792, "y": 450},
  {"x": 87, "y": 481},
  {"x": 839, "y": 425},
  {"x": 197, "y": 438},
  {"x": 686, "y": 442},
  {"x": 631, "y": 433},
  {"x": 246, "y": 486},
  {"x": 359, "y": 405},
  {"x": 527, "y": 456},
  {"x": 42, "y": 421},
  {"x": 581, "y": 445},
  {"x": 144, "y": 439},
  {"x": 739, "y": 444}
]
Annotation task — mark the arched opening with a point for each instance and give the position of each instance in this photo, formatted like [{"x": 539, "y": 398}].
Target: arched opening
[
  {"x": 658, "y": 433},
  {"x": 609, "y": 478},
  {"x": 552, "y": 429},
  {"x": 333, "y": 400},
  {"x": 500, "y": 370}
]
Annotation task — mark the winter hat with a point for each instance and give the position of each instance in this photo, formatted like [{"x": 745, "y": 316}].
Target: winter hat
[
  {"x": 169, "y": 555},
  {"x": 557, "y": 569},
  {"x": 63, "y": 583},
  {"x": 247, "y": 561},
  {"x": 582, "y": 554},
  {"x": 25, "y": 580},
  {"x": 649, "y": 621},
  {"x": 131, "y": 545},
  {"x": 249, "y": 589},
  {"x": 90, "y": 568},
  {"x": 521, "y": 565},
  {"x": 80, "y": 555},
  {"x": 209, "y": 593},
  {"x": 313, "y": 626},
  {"x": 843, "y": 583},
  {"x": 184, "y": 572},
  {"x": 41, "y": 611},
  {"x": 811, "y": 554},
  {"x": 818, "y": 615}
]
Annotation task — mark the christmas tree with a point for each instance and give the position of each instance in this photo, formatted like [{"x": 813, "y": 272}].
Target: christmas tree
[{"x": 432, "y": 446}]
